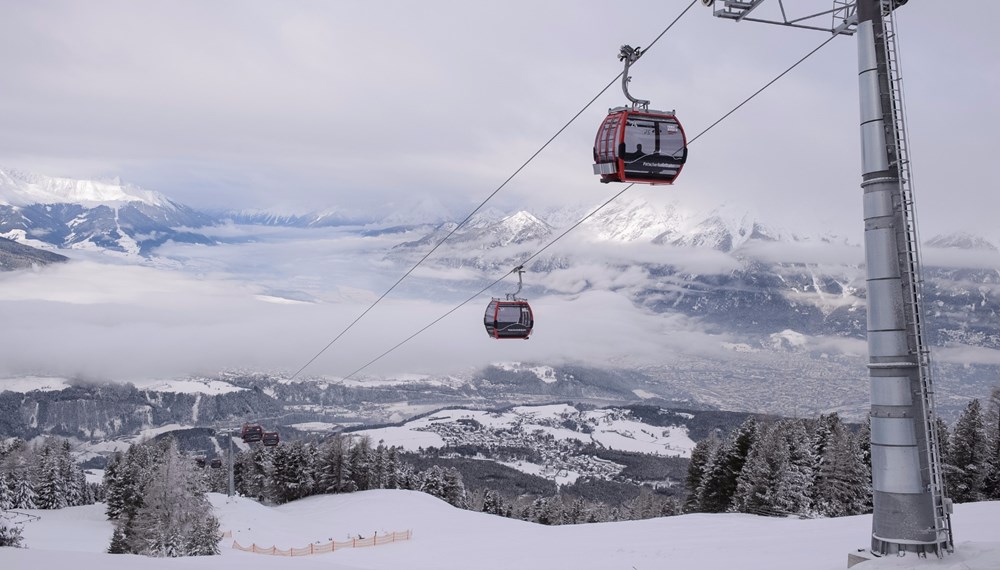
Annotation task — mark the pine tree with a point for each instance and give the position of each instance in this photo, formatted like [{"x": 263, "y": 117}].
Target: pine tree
[
  {"x": 380, "y": 459},
  {"x": 991, "y": 484},
  {"x": 545, "y": 511},
  {"x": 433, "y": 482},
  {"x": 334, "y": 470},
  {"x": 361, "y": 464},
  {"x": 801, "y": 477},
  {"x": 701, "y": 457},
  {"x": 118, "y": 543},
  {"x": 840, "y": 485},
  {"x": 575, "y": 512},
  {"x": 968, "y": 456},
  {"x": 74, "y": 481},
  {"x": 759, "y": 487},
  {"x": 407, "y": 477},
  {"x": 493, "y": 503},
  {"x": 175, "y": 511},
  {"x": 255, "y": 467},
  {"x": 285, "y": 473},
  {"x": 5, "y": 494},
  {"x": 719, "y": 483},
  {"x": 454, "y": 489},
  {"x": 114, "y": 489},
  {"x": 22, "y": 495},
  {"x": 392, "y": 469},
  {"x": 864, "y": 445},
  {"x": 51, "y": 488},
  {"x": 204, "y": 537}
]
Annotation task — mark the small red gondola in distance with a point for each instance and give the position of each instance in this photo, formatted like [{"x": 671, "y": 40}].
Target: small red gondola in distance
[
  {"x": 252, "y": 433},
  {"x": 509, "y": 319}
]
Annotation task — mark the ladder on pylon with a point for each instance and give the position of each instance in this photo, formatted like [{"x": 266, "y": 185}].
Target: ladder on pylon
[{"x": 914, "y": 282}]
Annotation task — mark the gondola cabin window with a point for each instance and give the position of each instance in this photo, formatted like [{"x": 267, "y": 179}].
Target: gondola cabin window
[{"x": 509, "y": 314}]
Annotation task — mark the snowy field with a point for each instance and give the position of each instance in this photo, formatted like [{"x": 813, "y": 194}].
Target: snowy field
[
  {"x": 446, "y": 538},
  {"x": 607, "y": 430}
]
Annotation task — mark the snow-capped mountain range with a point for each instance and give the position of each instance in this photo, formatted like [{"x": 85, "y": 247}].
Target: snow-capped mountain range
[
  {"x": 19, "y": 188},
  {"x": 726, "y": 270},
  {"x": 82, "y": 214}
]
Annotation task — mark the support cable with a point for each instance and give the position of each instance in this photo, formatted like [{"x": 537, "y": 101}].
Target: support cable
[
  {"x": 483, "y": 203},
  {"x": 585, "y": 218},
  {"x": 759, "y": 91},
  {"x": 488, "y": 287}
]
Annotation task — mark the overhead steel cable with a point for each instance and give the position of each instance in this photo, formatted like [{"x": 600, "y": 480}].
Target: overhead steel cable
[
  {"x": 483, "y": 203},
  {"x": 490, "y": 286},
  {"x": 761, "y": 90},
  {"x": 588, "y": 216}
]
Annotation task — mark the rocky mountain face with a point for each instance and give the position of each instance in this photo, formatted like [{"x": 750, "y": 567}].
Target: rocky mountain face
[
  {"x": 14, "y": 255},
  {"x": 102, "y": 412}
]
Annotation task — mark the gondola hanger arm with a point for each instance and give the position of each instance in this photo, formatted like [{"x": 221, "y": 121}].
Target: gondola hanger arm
[
  {"x": 519, "y": 270},
  {"x": 630, "y": 55}
]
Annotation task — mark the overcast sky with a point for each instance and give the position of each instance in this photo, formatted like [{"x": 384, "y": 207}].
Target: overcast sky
[{"x": 376, "y": 107}]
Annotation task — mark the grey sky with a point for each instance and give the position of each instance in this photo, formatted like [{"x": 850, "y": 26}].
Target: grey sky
[{"x": 378, "y": 106}]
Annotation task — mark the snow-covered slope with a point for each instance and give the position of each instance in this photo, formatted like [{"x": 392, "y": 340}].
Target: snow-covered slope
[{"x": 445, "y": 538}]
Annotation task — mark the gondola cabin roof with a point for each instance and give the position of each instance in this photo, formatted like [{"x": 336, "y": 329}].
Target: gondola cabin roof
[
  {"x": 509, "y": 319},
  {"x": 643, "y": 146}
]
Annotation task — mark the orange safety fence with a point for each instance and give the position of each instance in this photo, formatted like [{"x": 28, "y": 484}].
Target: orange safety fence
[{"x": 332, "y": 546}]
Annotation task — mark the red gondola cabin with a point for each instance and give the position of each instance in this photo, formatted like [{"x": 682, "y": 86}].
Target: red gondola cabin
[
  {"x": 641, "y": 146},
  {"x": 508, "y": 319},
  {"x": 252, "y": 433}
]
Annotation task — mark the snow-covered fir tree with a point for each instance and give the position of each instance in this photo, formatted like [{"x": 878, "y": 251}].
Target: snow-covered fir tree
[
  {"x": 124, "y": 479},
  {"x": 361, "y": 464},
  {"x": 800, "y": 467},
  {"x": 51, "y": 487},
  {"x": 5, "y": 495},
  {"x": 22, "y": 494},
  {"x": 432, "y": 482},
  {"x": 175, "y": 518},
  {"x": 291, "y": 476},
  {"x": 840, "y": 487},
  {"x": 702, "y": 456},
  {"x": 718, "y": 485},
  {"x": 334, "y": 469},
  {"x": 454, "y": 489},
  {"x": 991, "y": 486},
  {"x": 967, "y": 462},
  {"x": 763, "y": 485},
  {"x": 864, "y": 441}
]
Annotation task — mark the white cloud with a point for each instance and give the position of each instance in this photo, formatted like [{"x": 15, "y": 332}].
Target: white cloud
[{"x": 375, "y": 107}]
